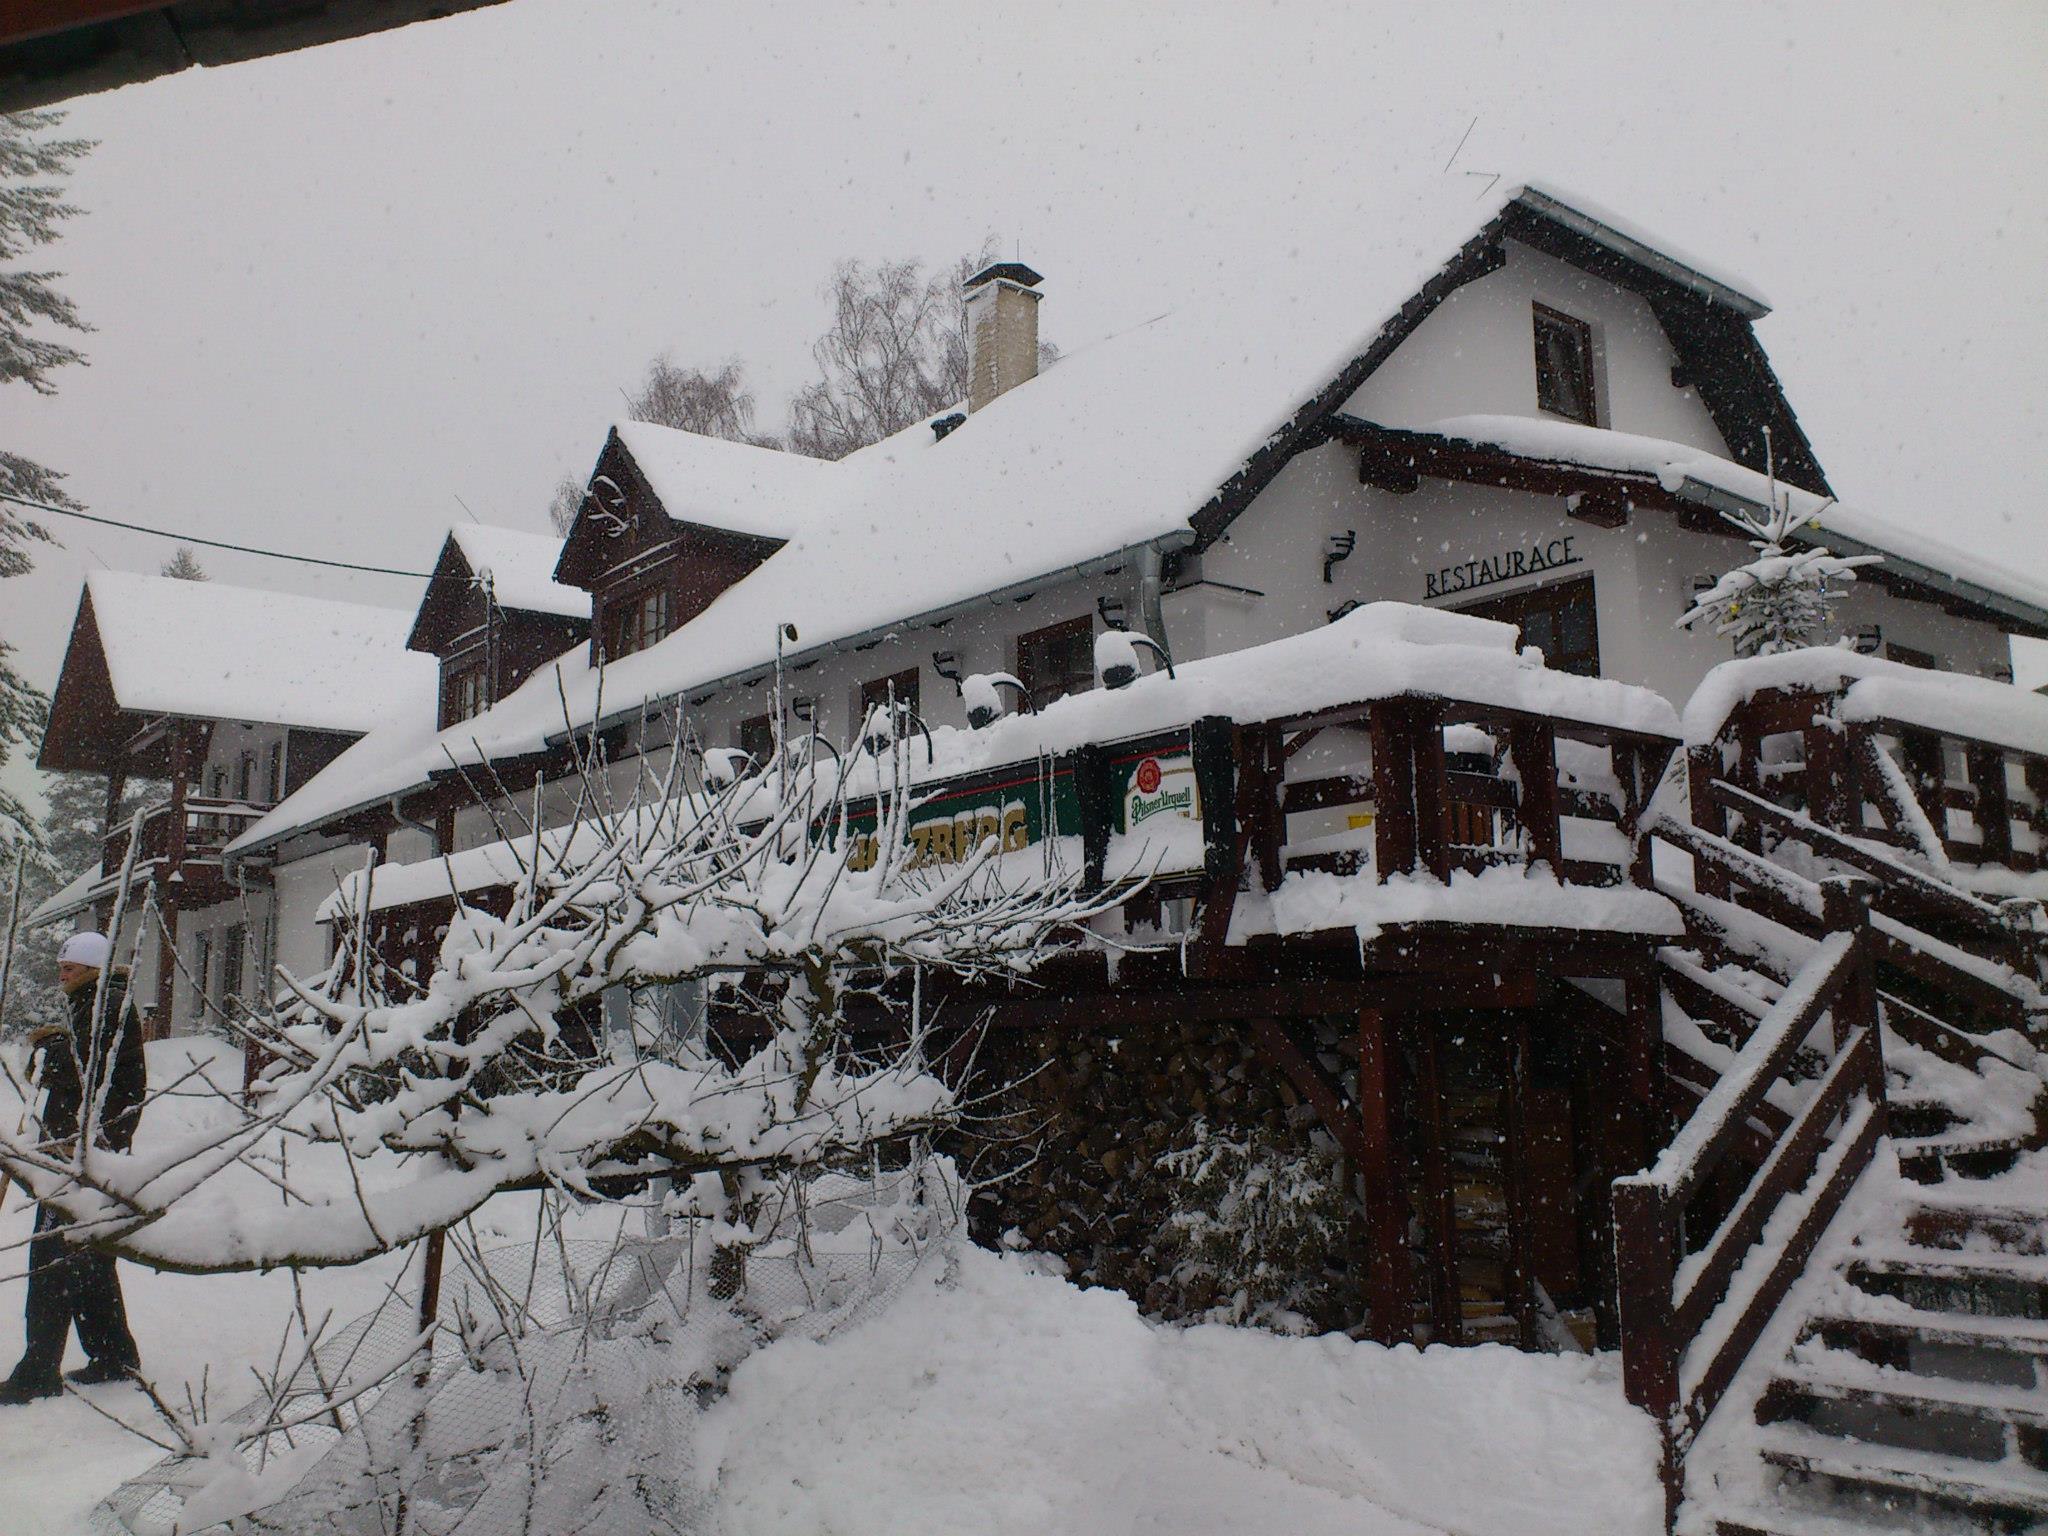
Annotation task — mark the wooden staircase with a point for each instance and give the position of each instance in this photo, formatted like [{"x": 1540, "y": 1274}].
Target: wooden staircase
[{"x": 1834, "y": 1283}]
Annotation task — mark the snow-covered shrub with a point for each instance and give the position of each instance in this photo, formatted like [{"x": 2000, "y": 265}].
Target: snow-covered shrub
[
  {"x": 1783, "y": 599},
  {"x": 1259, "y": 1217}
]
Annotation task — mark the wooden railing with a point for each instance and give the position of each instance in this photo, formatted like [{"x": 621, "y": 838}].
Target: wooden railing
[
  {"x": 1888, "y": 781},
  {"x": 209, "y": 826},
  {"x": 1498, "y": 797},
  {"x": 1693, "y": 1303}
]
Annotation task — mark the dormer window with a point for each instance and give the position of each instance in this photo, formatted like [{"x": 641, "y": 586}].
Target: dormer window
[
  {"x": 463, "y": 694},
  {"x": 636, "y": 621},
  {"x": 1564, "y": 366}
]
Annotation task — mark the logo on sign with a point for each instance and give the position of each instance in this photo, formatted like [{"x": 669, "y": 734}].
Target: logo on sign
[{"x": 1160, "y": 789}]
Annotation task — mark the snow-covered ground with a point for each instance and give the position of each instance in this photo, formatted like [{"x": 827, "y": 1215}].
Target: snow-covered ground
[{"x": 990, "y": 1397}]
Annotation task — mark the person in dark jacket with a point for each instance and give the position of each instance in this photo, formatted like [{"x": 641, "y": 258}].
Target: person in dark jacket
[{"x": 70, "y": 1285}]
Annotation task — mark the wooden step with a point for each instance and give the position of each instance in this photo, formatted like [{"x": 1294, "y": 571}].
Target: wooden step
[
  {"x": 1940, "y": 1280},
  {"x": 1856, "y": 1383},
  {"x": 1950, "y": 1225},
  {"x": 1898, "y": 1330},
  {"x": 1967, "y": 1155},
  {"x": 2002, "y": 1490}
]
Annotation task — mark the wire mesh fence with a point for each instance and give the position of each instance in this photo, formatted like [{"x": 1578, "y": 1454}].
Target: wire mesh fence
[{"x": 561, "y": 1392}]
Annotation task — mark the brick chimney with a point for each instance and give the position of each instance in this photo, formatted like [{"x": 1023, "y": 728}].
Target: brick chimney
[{"x": 1002, "y": 330}]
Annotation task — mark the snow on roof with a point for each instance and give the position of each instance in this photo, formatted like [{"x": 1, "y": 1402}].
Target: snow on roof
[
  {"x": 1674, "y": 464},
  {"x": 521, "y": 567},
  {"x": 1379, "y": 651},
  {"x": 1876, "y": 689},
  {"x": 1115, "y": 446},
  {"x": 1622, "y": 234},
  {"x": 205, "y": 650},
  {"x": 736, "y": 486},
  {"x": 394, "y": 757},
  {"x": 76, "y": 895}
]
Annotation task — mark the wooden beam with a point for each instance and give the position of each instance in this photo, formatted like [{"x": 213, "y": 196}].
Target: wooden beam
[
  {"x": 1279, "y": 1047},
  {"x": 1387, "y": 1280},
  {"x": 1533, "y": 746},
  {"x": 1446, "y": 1297}
]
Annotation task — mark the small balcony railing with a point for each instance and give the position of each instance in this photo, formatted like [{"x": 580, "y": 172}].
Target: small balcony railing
[{"x": 210, "y": 824}]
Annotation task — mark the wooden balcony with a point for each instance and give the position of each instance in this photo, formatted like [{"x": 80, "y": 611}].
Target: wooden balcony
[{"x": 183, "y": 842}]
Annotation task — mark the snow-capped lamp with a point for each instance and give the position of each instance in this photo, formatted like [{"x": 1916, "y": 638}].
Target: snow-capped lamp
[
  {"x": 724, "y": 765},
  {"x": 984, "y": 704},
  {"x": 1116, "y": 657}
]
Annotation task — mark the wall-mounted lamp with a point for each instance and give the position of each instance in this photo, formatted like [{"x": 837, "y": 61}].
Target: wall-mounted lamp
[
  {"x": 947, "y": 665},
  {"x": 805, "y": 709},
  {"x": 1869, "y": 640},
  {"x": 1112, "y": 611},
  {"x": 1336, "y": 550},
  {"x": 1116, "y": 657},
  {"x": 984, "y": 704},
  {"x": 723, "y": 765}
]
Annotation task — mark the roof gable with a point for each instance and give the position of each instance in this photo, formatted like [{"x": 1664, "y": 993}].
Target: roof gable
[
  {"x": 519, "y": 568},
  {"x": 144, "y": 646},
  {"x": 651, "y": 481}
]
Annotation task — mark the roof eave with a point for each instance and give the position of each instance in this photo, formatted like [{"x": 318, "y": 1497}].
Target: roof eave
[
  {"x": 2024, "y": 616},
  {"x": 1747, "y": 305},
  {"x": 1166, "y": 543}
]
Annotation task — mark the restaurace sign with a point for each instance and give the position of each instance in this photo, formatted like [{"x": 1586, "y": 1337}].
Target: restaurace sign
[{"x": 1549, "y": 555}]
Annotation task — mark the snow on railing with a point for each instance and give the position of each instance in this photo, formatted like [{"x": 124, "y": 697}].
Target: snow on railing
[{"x": 1689, "y": 1319}]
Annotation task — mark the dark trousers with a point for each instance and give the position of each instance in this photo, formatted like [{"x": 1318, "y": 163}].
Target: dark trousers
[{"x": 68, "y": 1285}]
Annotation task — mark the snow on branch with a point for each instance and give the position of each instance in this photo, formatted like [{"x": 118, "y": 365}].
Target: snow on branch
[{"x": 394, "y": 1107}]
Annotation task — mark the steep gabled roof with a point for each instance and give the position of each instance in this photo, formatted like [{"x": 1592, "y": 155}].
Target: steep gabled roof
[
  {"x": 144, "y": 646},
  {"x": 521, "y": 570},
  {"x": 644, "y": 470},
  {"x": 1158, "y": 436}
]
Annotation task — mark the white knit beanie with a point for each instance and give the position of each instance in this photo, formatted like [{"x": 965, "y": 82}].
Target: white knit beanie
[{"x": 86, "y": 949}]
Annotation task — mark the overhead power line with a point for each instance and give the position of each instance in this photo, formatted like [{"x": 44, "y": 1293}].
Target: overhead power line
[{"x": 193, "y": 538}]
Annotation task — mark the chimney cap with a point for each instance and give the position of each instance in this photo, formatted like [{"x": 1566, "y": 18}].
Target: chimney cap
[{"x": 1004, "y": 271}]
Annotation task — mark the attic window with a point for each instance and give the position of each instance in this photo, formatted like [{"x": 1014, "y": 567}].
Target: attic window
[
  {"x": 462, "y": 695},
  {"x": 636, "y": 621},
  {"x": 1564, "y": 366}
]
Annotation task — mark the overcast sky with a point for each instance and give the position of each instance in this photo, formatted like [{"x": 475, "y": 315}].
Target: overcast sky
[{"x": 341, "y": 293}]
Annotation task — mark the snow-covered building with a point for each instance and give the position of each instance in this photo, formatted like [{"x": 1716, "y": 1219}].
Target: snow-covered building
[
  {"x": 1415, "y": 514},
  {"x": 148, "y": 691},
  {"x": 234, "y": 735}
]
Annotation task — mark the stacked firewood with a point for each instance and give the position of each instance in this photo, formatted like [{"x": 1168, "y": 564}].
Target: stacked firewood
[{"x": 1070, "y": 1131}]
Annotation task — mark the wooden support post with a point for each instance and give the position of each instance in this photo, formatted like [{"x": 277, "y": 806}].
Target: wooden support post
[
  {"x": 1533, "y": 745},
  {"x": 1387, "y": 1282},
  {"x": 1827, "y": 773},
  {"x": 1845, "y": 908},
  {"x": 1703, "y": 767},
  {"x": 1519, "y": 1279},
  {"x": 1265, "y": 768},
  {"x": 170, "y": 881},
  {"x": 1922, "y": 761},
  {"x": 1393, "y": 781},
  {"x": 117, "y": 786},
  {"x": 1645, "y": 1263},
  {"x": 1994, "y": 808},
  {"x": 1432, "y": 792},
  {"x": 1446, "y": 1297}
]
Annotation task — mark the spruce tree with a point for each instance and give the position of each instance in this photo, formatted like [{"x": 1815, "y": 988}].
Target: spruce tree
[
  {"x": 32, "y": 208},
  {"x": 183, "y": 566}
]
